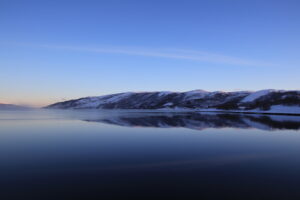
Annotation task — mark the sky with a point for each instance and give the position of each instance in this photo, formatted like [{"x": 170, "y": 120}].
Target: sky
[{"x": 59, "y": 50}]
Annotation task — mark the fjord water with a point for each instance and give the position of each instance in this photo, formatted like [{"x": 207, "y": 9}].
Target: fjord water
[{"x": 59, "y": 154}]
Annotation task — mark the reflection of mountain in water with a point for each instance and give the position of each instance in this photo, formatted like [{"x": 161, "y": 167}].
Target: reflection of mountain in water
[{"x": 203, "y": 121}]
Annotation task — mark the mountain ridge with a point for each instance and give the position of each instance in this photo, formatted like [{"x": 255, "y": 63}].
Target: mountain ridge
[
  {"x": 258, "y": 101},
  {"x": 4, "y": 106}
]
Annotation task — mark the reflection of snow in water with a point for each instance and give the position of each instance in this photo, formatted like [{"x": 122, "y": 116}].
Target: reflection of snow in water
[{"x": 200, "y": 121}]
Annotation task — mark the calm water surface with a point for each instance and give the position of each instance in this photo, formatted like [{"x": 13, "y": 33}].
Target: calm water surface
[{"x": 65, "y": 154}]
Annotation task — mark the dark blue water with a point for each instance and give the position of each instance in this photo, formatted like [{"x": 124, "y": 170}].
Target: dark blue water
[{"x": 101, "y": 154}]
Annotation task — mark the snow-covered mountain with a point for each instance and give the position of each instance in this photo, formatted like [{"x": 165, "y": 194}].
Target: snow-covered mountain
[{"x": 278, "y": 101}]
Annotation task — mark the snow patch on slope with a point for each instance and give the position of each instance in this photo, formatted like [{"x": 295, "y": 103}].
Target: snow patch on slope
[
  {"x": 284, "y": 109},
  {"x": 164, "y": 93},
  {"x": 118, "y": 97},
  {"x": 256, "y": 95},
  {"x": 195, "y": 94}
]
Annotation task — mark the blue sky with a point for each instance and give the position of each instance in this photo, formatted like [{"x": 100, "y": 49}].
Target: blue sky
[{"x": 57, "y": 50}]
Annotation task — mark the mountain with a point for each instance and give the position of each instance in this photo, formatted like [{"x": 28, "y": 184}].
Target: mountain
[
  {"x": 275, "y": 101},
  {"x": 12, "y": 107}
]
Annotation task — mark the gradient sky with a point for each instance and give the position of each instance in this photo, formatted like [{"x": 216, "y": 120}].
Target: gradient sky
[{"x": 57, "y": 50}]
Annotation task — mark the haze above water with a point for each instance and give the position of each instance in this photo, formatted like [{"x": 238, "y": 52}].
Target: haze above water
[{"x": 55, "y": 153}]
